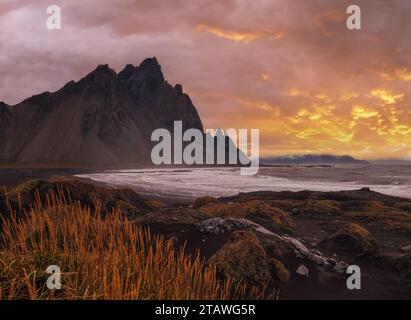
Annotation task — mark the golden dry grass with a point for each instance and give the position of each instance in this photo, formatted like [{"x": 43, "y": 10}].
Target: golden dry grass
[{"x": 110, "y": 258}]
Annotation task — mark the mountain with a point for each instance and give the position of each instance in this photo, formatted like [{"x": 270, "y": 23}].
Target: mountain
[
  {"x": 311, "y": 159},
  {"x": 104, "y": 119}
]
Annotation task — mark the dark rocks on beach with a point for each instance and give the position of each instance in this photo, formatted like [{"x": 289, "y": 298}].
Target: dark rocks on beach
[
  {"x": 251, "y": 236},
  {"x": 303, "y": 271}
]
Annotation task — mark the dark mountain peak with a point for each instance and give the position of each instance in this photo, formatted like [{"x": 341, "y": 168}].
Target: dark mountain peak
[
  {"x": 104, "y": 119},
  {"x": 151, "y": 70},
  {"x": 127, "y": 72},
  {"x": 150, "y": 63},
  {"x": 102, "y": 71},
  {"x": 101, "y": 78},
  {"x": 104, "y": 68},
  {"x": 3, "y": 105},
  {"x": 179, "y": 88},
  {"x": 312, "y": 159}
]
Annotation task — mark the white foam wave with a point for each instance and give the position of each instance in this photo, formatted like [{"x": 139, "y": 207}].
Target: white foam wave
[{"x": 224, "y": 182}]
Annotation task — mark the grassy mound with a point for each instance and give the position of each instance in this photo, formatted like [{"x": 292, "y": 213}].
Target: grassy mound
[
  {"x": 245, "y": 257},
  {"x": 304, "y": 207},
  {"x": 202, "y": 201},
  {"x": 23, "y": 196},
  {"x": 388, "y": 218},
  {"x": 255, "y": 210},
  {"x": 355, "y": 239}
]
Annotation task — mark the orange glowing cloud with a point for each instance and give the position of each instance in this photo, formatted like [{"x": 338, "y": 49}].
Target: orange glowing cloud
[
  {"x": 359, "y": 112},
  {"x": 288, "y": 68},
  {"x": 387, "y": 96},
  {"x": 403, "y": 74},
  {"x": 235, "y": 36},
  {"x": 265, "y": 77},
  {"x": 238, "y": 36}
]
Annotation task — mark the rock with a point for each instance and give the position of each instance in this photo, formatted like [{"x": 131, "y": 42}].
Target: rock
[
  {"x": 258, "y": 211},
  {"x": 219, "y": 226},
  {"x": 299, "y": 255},
  {"x": 303, "y": 270},
  {"x": 295, "y": 211},
  {"x": 317, "y": 252},
  {"x": 320, "y": 260},
  {"x": 298, "y": 245},
  {"x": 172, "y": 221},
  {"x": 340, "y": 267},
  {"x": 302, "y": 252}
]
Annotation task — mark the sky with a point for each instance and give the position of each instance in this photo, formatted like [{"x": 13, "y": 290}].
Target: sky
[{"x": 289, "y": 68}]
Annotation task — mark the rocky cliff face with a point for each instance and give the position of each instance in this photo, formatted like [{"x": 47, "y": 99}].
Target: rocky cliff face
[{"x": 104, "y": 119}]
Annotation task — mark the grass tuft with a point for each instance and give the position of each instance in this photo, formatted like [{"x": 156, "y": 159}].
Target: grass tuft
[{"x": 100, "y": 257}]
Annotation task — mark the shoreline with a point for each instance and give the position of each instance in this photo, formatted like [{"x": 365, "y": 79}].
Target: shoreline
[{"x": 16, "y": 175}]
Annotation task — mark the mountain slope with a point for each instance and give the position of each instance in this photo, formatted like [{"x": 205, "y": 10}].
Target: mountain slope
[{"x": 104, "y": 119}]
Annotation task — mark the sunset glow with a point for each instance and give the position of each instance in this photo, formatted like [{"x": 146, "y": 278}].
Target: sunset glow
[{"x": 293, "y": 71}]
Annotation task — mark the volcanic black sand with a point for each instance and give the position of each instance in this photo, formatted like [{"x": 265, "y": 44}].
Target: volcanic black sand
[{"x": 262, "y": 237}]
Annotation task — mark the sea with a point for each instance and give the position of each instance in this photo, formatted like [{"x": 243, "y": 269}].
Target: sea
[{"x": 192, "y": 182}]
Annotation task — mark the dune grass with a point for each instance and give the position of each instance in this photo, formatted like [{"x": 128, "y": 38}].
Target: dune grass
[{"x": 100, "y": 258}]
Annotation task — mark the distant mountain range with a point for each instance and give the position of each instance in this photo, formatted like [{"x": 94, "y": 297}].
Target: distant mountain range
[
  {"x": 104, "y": 119},
  {"x": 311, "y": 159}
]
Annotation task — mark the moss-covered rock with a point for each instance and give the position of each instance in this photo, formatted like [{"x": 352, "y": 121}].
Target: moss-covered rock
[
  {"x": 306, "y": 207},
  {"x": 30, "y": 192},
  {"x": 387, "y": 218},
  {"x": 244, "y": 258},
  {"x": 202, "y": 201},
  {"x": 354, "y": 239},
  {"x": 257, "y": 211}
]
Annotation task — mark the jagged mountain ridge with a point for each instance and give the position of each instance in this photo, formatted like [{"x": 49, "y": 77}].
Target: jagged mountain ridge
[
  {"x": 313, "y": 159},
  {"x": 103, "y": 119}
]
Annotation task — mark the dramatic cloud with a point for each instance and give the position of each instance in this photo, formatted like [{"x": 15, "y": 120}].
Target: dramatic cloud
[{"x": 290, "y": 68}]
